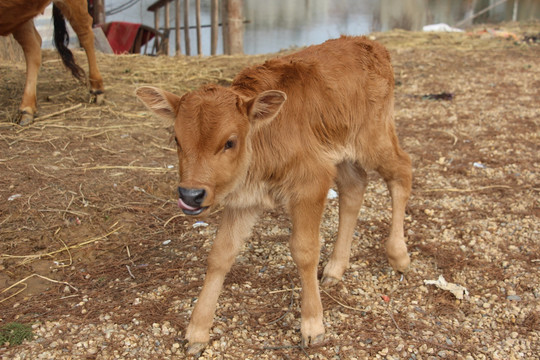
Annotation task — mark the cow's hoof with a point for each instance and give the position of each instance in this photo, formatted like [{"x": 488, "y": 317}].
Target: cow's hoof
[
  {"x": 25, "y": 118},
  {"x": 329, "y": 281},
  {"x": 195, "y": 349},
  {"x": 97, "y": 97},
  {"x": 312, "y": 340}
]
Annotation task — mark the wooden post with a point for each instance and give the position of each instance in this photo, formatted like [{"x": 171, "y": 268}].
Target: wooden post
[
  {"x": 235, "y": 24},
  {"x": 198, "y": 23},
  {"x": 177, "y": 28},
  {"x": 99, "y": 12},
  {"x": 165, "y": 45},
  {"x": 214, "y": 26},
  {"x": 156, "y": 19},
  {"x": 186, "y": 27},
  {"x": 225, "y": 26},
  {"x": 515, "y": 12}
]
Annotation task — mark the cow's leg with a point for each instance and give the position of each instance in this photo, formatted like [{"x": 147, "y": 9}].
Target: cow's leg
[
  {"x": 396, "y": 171},
  {"x": 76, "y": 13},
  {"x": 235, "y": 227},
  {"x": 28, "y": 37},
  {"x": 351, "y": 183},
  {"x": 306, "y": 214}
]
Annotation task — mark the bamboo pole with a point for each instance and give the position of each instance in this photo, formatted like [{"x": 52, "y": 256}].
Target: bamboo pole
[
  {"x": 480, "y": 13},
  {"x": 214, "y": 23},
  {"x": 224, "y": 26},
  {"x": 198, "y": 23},
  {"x": 165, "y": 45},
  {"x": 177, "y": 28},
  {"x": 186, "y": 27}
]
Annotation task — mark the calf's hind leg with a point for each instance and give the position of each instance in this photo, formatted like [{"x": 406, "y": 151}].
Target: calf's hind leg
[{"x": 351, "y": 183}]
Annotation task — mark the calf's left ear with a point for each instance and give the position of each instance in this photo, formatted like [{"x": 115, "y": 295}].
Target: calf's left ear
[
  {"x": 266, "y": 105},
  {"x": 163, "y": 103}
]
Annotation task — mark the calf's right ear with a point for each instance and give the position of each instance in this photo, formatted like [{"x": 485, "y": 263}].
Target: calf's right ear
[
  {"x": 266, "y": 105},
  {"x": 163, "y": 103}
]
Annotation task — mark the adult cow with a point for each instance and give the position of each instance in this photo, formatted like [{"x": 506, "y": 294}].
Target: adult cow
[
  {"x": 283, "y": 133},
  {"x": 16, "y": 17}
]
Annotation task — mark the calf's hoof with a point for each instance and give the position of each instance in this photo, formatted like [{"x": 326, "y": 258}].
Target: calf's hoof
[
  {"x": 312, "y": 340},
  {"x": 328, "y": 281},
  {"x": 400, "y": 263},
  {"x": 195, "y": 349},
  {"x": 25, "y": 118}
]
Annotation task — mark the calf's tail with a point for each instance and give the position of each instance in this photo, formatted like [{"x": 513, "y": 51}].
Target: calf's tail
[{"x": 61, "y": 41}]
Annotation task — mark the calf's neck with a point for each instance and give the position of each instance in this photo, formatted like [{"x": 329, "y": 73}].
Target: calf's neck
[{"x": 283, "y": 133}]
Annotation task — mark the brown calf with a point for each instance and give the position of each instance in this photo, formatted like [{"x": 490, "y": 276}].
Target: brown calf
[
  {"x": 284, "y": 132},
  {"x": 16, "y": 17}
]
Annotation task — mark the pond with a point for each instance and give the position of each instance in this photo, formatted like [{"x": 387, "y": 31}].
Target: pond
[{"x": 274, "y": 25}]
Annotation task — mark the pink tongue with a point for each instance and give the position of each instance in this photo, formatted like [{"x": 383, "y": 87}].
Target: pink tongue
[{"x": 183, "y": 205}]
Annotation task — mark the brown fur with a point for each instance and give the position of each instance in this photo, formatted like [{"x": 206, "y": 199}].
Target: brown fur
[
  {"x": 16, "y": 17},
  {"x": 298, "y": 123}
]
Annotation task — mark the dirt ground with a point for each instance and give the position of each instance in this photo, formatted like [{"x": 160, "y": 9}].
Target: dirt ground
[{"x": 95, "y": 254}]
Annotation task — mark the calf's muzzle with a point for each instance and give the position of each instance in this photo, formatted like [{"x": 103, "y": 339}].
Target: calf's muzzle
[{"x": 190, "y": 200}]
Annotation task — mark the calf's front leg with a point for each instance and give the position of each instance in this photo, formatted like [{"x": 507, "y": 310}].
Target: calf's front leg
[
  {"x": 234, "y": 229},
  {"x": 305, "y": 250}
]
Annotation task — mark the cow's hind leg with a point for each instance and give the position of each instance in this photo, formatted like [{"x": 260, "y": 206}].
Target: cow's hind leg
[
  {"x": 28, "y": 37},
  {"x": 351, "y": 183},
  {"x": 396, "y": 171},
  {"x": 76, "y": 13},
  {"x": 234, "y": 228}
]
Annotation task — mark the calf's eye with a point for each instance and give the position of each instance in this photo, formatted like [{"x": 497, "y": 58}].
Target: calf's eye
[{"x": 229, "y": 145}]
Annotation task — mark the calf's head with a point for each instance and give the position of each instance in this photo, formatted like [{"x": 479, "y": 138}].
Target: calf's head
[{"x": 212, "y": 129}]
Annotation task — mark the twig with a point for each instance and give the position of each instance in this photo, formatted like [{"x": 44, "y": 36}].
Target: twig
[
  {"x": 78, "y": 213},
  {"x": 136, "y": 188},
  {"x": 469, "y": 190},
  {"x": 129, "y": 271},
  {"x": 337, "y": 301},
  {"x": 172, "y": 218},
  {"x": 284, "y": 290},
  {"x": 25, "y": 285},
  {"x": 28, "y": 258},
  {"x": 69, "y": 252},
  {"x": 451, "y": 134},
  {"x": 42, "y": 173},
  {"x": 58, "y": 113},
  {"x": 124, "y": 167},
  {"x": 290, "y": 305}
]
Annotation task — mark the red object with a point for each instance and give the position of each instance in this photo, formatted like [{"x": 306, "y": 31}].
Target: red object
[
  {"x": 121, "y": 35},
  {"x": 386, "y": 298}
]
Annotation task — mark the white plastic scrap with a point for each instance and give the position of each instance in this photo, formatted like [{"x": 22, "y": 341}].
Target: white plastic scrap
[
  {"x": 200, "y": 224},
  {"x": 441, "y": 28},
  {"x": 457, "y": 290},
  {"x": 332, "y": 194},
  {"x": 14, "y": 196}
]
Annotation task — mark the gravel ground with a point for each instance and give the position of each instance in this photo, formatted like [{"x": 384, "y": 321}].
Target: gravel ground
[{"x": 130, "y": 268}]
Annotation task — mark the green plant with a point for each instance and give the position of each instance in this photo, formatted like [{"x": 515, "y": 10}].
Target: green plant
[{"x": 15, "y": 333}]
